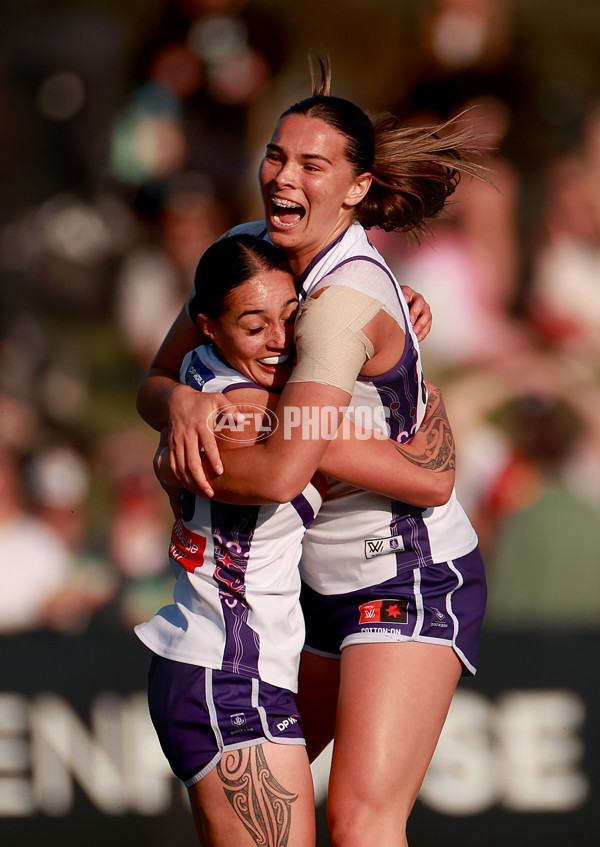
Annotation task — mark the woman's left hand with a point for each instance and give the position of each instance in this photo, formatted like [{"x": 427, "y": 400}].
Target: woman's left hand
[{"x": 420, "y": 312}]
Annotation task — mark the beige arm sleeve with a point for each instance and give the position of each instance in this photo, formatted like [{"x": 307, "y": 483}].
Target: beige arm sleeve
[{"x": 330, "y": 344}]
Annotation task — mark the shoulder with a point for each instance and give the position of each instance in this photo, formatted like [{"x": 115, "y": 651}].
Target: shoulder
[
  {"x": 365, "y": 273},
  {"x": 353, "y": 260},
  {"x": 204, "y": 370}
]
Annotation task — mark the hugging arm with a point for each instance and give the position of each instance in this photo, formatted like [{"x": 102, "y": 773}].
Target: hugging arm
[
  {"x": 420, "y": 472},
  {"x": 340, "y": 332},
  {"x": 163, "y": 402}
]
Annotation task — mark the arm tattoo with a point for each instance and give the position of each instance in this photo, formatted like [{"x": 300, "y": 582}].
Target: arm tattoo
[
  {"x": 259, "y": 801},
  {"x": 439, "y": 454}
]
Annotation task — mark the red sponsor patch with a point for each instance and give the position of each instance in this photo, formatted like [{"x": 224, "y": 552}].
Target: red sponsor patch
[
  {"x": 187, "y": 547},
  {"x": 384, "y": 611}
]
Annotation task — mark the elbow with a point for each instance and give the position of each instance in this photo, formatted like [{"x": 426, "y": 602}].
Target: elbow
[
  {"x": 438, "y": 491},
  {"x": 283, "y": 491},
  {"x": 283, "y": 487},
  {"x": 444, "y": 486}
]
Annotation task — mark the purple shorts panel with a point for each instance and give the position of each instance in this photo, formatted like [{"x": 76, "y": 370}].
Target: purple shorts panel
[
  {"x": 198, "y": 713},
  {"x": 438, "y": 604}
]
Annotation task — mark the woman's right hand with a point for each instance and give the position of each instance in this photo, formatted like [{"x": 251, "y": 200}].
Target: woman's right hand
[{"x": 190, "y": 435}]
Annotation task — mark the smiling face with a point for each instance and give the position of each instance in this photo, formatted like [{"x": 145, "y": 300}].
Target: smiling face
[
  {"x": 309, "y": 188},
  {"x": 255, "y": 331}
]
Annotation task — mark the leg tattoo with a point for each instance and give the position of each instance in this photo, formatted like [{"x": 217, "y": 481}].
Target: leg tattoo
[{"x": 259, "y": 801}]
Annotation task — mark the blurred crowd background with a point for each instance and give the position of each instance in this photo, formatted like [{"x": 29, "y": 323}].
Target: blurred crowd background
[{"x": 131, "y": 135}]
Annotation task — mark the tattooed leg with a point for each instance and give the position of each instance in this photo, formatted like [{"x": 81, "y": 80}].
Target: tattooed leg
[
  {"x": 266, "y": 789},
  {"x": 258, "y": 799}
]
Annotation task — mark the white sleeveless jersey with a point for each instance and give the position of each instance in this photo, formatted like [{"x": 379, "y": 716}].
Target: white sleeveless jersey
[
  {"x": 360, "y": 538},
  {"x": 237, "y": 585}
]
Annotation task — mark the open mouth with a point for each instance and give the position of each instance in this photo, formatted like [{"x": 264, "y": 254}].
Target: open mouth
[{"x": 285, "y": 212}]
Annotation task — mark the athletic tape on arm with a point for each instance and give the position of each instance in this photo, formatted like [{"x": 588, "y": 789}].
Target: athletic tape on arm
[{"x": 330, "y": 343}]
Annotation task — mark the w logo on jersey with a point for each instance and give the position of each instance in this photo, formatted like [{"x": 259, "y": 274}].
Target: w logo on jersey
[{"x": 383, "y": 546}]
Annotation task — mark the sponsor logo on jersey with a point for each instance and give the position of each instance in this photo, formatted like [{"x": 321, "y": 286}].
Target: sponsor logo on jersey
[
  {"x": 383, "y": 546},
  {"x": 384, "y": 611},
  {"x": 192, "y": 374},
  {"x": 440, "y": 618},
  {"x": 187, "y": 547},
  {"x": 284, "y": 724}
]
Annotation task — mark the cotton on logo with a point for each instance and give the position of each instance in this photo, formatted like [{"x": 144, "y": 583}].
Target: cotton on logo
[{"x": 232, "y": 422}]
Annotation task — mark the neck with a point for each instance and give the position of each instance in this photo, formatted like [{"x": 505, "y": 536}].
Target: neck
[{"x": 300, "y": 260}]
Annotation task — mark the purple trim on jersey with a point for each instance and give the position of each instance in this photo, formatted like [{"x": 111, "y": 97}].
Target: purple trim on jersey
[
  {"x": 302, "y": 278},
  {"x": 248, "y": 384},
  {"x": 407, "y": 521},
  {"x": 373, "y": 262},
  {"x": 233, "y": 530},
  {"x": 205, "y": 374},
  {"x": 304, "y": 509},
  {"x": 398, "y": 389}
]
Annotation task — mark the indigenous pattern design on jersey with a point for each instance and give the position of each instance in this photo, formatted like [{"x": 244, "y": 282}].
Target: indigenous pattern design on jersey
[{"x": 236, "y": 596}]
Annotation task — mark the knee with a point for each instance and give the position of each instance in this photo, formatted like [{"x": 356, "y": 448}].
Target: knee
[{"x": 355, "y": 823}]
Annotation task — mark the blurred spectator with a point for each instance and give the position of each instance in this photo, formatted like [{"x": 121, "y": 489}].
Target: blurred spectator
[
  {"x": 65, "y": 66},
  {"x": 466, "y": 266},
  {"x": 156, "y": 275},
  {"x": 199, "y": 72},
  {"x": 35, "y": 564},
  {"x": 545, "y": 567},
  {"x": 58, "y": 480},
  {"x": 138, "y": 528},
  {"x": 463, "y": 49},
  {"x": 564, "y": 300}
]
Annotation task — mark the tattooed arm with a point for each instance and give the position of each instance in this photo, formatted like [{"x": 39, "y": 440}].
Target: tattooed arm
[{"x": 420, "y": 472}]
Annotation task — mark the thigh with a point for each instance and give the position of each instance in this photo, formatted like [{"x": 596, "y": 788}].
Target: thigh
[
  {"x": 392, "y": 705},
  {"x": 258, "y": 795},
  {"x": 317, "y": 700}
]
